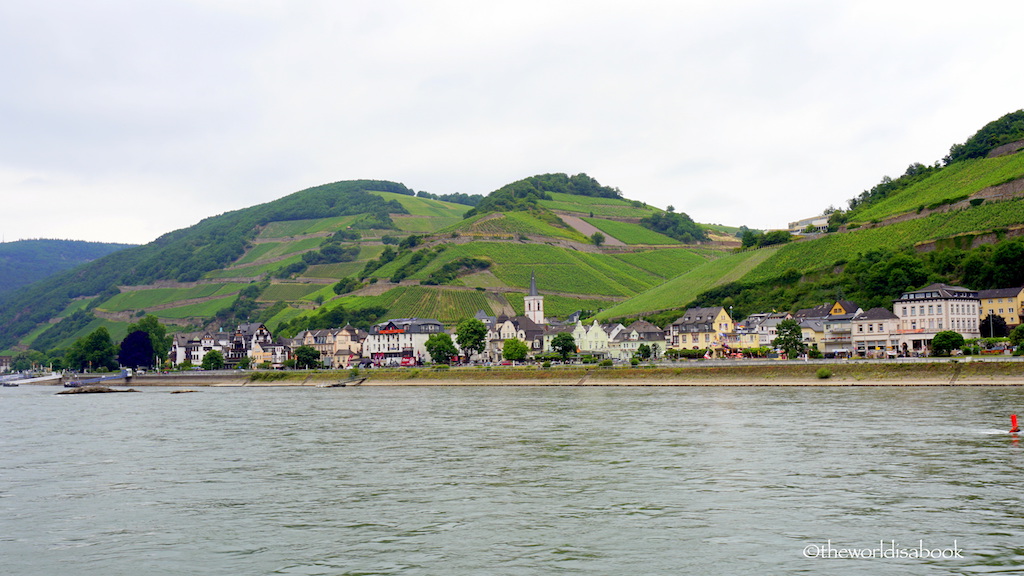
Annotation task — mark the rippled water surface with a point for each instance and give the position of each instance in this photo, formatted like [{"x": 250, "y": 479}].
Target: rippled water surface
[{"x": 506, "y": 480}]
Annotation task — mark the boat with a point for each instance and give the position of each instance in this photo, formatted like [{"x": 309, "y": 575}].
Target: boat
[
  {"x": 76, "y": 380},
  {"x": 343, "y": 383}
]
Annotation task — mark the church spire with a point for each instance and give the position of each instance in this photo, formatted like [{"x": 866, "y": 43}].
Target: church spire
[{"x": 533, "y": 284}]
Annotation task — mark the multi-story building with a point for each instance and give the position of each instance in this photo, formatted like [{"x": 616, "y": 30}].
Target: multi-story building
[
  {"x": 401, "y": 341},
  {"x": 875, "y": 333},
  {"x": 700, "y": 328},
  {"x": 1003, "y": 302},
  {"x": 935, "y": 308}
]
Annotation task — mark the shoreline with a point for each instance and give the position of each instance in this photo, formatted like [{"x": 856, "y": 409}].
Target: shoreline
[{"x": 937, "y": 373}]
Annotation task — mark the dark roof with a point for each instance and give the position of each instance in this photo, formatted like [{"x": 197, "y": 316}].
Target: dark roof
[
  {"x": 937, "y": 291},
  {"x": 999, "y": 293},
  {"x": 876, "y": 314}
]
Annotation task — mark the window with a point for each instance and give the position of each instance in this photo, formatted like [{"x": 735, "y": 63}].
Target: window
[
  {"x": 931, "y": 309},
  {"x": 938, "y": 308},
  {"x": 940, "y": 323},
  {"x": 904, "y": 311}
]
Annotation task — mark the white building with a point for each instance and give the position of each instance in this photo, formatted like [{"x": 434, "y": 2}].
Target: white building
[
  {"x": 933, "y": 309},
  {"x": 401, "y": 341},
  {"x": 875, "y": 333}
]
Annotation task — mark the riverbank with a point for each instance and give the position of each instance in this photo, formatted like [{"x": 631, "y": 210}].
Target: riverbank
[{"x": 943, "y": 372}]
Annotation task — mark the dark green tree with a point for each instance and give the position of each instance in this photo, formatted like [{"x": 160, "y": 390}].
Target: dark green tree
[
  {"x": 213, "y": 360},
  {"x": 790, "y": 338},
  {"x": 1017, "y": 335},
  {"x": 945, "y": 342},
  {"x": 471, "y": 335},
  {"x": 597, "y": 238},
  {"x": 564, "y": 344},
  {"x": 514, "y": 350},
  {"x": 136, "y": 350},
  {"x": 306, "y": 357},
  {"x": 441, "y": 348},
  {"x": 993, "y": 326},
  {"x": 643, "y": 351},
  {"x": 159, "y": 340}
]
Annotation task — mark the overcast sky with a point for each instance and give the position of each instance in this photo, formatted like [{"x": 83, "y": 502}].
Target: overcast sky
[{"x": 121, "y": 120}]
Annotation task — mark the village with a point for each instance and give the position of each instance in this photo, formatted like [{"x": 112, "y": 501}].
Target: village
[{"x": 838, "y": 329}]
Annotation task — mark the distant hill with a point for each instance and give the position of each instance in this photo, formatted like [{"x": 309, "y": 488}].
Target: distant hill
[{"x": 27, "y": 261}]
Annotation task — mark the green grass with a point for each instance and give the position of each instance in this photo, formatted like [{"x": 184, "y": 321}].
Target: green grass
[
  {"x": 630, "y": 233},
  {"x": 598, "y": 206},
  {"x": 955, "y": 180},
  {"x": 668, "y": 263},
  {"x": 425, "y": 206},
  {"x": 204, "y": 310},
  {"x": 289, "y": 228},
  {"x": 145, "y": 299},
  {"x": 268, "y": 250},
  {"x": 686, "y": 287},
  {"x": 512, "y": 225},
  {"x": 447, "y": 306},
  {"x": 822, "y": 253},
  {"x": 556, "y": 306},
  {"x": 255, "y": 271},
  {"x": 284, "y": 316},
  {"x": 288, "y": 292},
  {"x": 334, "y": 271}
]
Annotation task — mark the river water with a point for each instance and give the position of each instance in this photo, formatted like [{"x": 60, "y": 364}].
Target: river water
[{"x": 511, "y": 480}]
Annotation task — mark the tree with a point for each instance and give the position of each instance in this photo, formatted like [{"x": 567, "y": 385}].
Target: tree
[
  {"x": 306, "y": 357},
  {"x": 597, "y": 238},
  {"x": 244, "y": 363},
  {"x": 993, "y": 326},
  {"x": 945, "y": 342},
  {"x": 136, "y": 350},
  {"x": 643, "y": 351},
  {"x": 471, "y": 335},
  {"x": 1017, "y": 335},
  {"x": 789, "y": 338},
  {"x": 94, "y": 351},
  {"x": 514, "y": 350},
  {"x": 441, "y": 348},
  {"x": 213, "y": 360},
  {"x": 157, "y": 332},
  {"x": 563, "y": 344},
  {"x": 28, "y": 360}
]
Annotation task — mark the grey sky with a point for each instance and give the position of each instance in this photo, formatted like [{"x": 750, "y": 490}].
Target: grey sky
[{"x": 122, "y": 120}]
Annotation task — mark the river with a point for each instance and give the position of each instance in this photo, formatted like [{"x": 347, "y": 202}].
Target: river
[{"x": 511, "y": 480}]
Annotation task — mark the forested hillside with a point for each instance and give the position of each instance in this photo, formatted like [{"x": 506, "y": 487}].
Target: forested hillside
[{"x": 27, "y": 261}]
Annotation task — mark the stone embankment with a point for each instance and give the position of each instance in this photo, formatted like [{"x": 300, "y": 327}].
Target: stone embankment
[{"x": 1003, "y": 371}]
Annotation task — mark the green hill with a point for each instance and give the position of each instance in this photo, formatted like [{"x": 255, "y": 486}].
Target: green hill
[
  {"x": 26, "y": 261},
  {"x": 357, "y": 251}
]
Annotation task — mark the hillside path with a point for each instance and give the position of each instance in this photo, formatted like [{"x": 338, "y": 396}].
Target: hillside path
[{"x": 588, "y": 229}]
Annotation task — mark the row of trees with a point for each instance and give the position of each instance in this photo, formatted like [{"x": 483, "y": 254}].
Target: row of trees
[{"x": 471, "y": 336}]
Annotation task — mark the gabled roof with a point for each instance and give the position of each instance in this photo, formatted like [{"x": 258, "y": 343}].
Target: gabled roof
[
  {"x": 876, "y": 314},
  {"x": 1000, "y": 293},
  {"x": 699, "y": 316},
  {"x": 936, "y": 291}
]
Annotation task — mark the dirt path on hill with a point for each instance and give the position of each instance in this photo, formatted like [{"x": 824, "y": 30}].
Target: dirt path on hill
[{"x": 588, "y": 230}]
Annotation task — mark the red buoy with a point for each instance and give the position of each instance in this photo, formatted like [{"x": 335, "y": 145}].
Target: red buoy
[{"x": 1013, "y": 423}]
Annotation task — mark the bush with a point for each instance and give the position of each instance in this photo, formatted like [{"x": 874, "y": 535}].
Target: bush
[
  {"x": 546, "y": 364},
  {"x": 823, "y": 373},
  {"x": 605, "y": 362},
  {"x": 633, "y": 362}
]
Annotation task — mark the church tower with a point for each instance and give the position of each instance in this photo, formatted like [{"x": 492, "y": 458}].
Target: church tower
[{"x": 534, "y": 303}]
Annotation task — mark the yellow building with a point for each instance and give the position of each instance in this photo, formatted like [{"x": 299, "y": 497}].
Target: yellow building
[
  {"x": 700, "y": 328},
  {"x": 1002, "y": 302}
]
